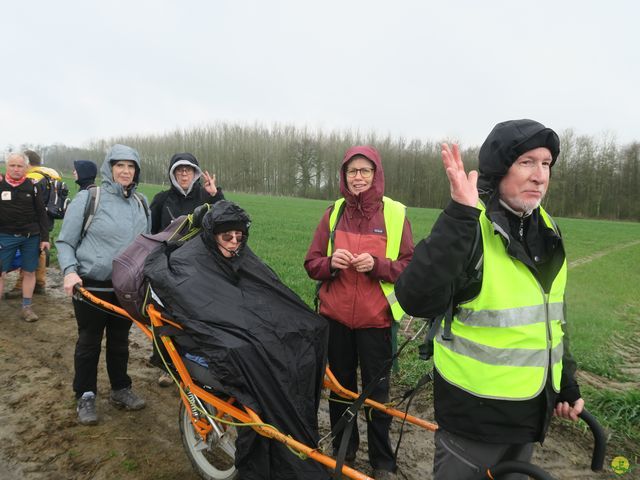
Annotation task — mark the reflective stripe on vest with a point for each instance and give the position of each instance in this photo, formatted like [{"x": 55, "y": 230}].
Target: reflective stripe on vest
[
  {"x": 509, "y": 338},
  {"x": 394, "y": 214}
]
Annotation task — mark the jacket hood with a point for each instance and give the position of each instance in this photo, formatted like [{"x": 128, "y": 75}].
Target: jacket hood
[
  {"x": 120, "y": 152},
  {"x": 506, "y": 142},
  {"x": 86, "y": 171},
  {"x": 183, "y": 159},
  {"x": 223, "y": 217},
  {"x": 372, "y": 196}
]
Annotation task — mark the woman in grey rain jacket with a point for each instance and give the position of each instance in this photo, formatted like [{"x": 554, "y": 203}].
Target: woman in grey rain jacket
[{"x": 85, "y": 258}]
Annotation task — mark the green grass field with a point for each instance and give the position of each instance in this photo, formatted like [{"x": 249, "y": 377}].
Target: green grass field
[{"x": 603, "y": 296}]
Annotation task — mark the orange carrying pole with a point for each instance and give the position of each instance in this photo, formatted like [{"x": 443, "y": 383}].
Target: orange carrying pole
[{"x": 332, "y": 384}]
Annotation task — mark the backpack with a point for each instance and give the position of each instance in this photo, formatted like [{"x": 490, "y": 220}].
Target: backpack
[
  {"x": 130, "y": 286},
  {"x": 55, "y": 194},
  {"x": 91, "y": 207}
]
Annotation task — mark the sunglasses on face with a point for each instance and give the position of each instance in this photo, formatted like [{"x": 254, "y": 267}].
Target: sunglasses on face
[
  {"x": 183, "y": 170},
  {"x": 227, "y": 236}
]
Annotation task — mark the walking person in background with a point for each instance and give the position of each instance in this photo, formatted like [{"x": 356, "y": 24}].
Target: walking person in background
[
  {"x": 84, "y": 173},
  {"x": 360, "y": 247},
  {"x": 184, "y": 196},
  {"x": 501, "y": 357},
  {"x": 40, "y": 175},
  {"x": 23, "y": 225},
  {"x": 86, "y": 258}
]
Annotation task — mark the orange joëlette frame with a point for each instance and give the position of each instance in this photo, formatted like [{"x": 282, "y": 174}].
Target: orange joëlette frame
[{"x": 246, "y": 415}]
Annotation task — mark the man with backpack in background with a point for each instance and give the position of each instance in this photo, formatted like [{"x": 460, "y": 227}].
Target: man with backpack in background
[
  {"x": 493, "y": 273},
  {"x": 54, "y": 195},
  {"x": 23, "y": 225}
]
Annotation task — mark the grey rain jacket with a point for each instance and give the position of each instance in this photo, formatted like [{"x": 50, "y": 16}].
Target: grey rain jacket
[{"x": 119, "y": 218}]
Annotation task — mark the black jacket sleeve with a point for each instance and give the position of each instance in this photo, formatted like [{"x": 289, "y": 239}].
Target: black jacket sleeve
[
  {"x": 569, "y": 389},
  {"x": 207, "y": 198},
  {"x": 439, "y": 261},
  {"x": 156, "y": 210},
  {"x": 41, "y": 213}
]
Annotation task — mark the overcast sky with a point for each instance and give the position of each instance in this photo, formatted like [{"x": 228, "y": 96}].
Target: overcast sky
[{"x": 73, "y": 71}]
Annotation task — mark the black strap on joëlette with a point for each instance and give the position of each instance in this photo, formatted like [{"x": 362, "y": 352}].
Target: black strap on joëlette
[{"x": 346, "y": 422}]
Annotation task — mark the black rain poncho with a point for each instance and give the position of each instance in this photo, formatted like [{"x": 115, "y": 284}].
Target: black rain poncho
[{"x": 262, "y": 343}]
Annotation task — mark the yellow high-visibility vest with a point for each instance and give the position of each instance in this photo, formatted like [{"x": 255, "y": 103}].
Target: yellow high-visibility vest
[
  {"x": 508, "y": 339},
  {"x": 394, "y": 214}
]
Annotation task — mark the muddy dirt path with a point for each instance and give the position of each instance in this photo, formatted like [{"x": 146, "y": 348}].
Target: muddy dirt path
[{"x": 40, "y": 439}]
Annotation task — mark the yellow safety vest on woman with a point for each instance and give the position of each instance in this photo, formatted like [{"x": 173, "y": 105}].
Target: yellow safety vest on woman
[
  {"x": 394, "y": 214},
  {"x": 508, "y": 339}
]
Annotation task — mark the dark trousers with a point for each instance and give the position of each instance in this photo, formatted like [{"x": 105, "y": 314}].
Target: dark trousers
[
  {"x": 92, "y": 323},
  {"x": 458, "y": 458},
  {"x": 371, "y": 348}
]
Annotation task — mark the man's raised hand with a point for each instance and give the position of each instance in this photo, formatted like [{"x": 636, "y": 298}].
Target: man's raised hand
[{"x": 464, "y": 188}]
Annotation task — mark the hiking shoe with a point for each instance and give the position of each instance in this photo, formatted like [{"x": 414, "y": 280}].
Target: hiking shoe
[
  {"x": 87, "y": 409},
  {"x": 28, "y": 315},
  {"x": 165, "y": 380},
  {"x": 383, "y": 474},
  {"x": 126, "y": 399},
  {"x": 39, "y": 290}
]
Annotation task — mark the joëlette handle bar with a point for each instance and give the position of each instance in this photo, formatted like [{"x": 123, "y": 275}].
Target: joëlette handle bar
[
  {"x": 597, "y": 458},
  {"x": 599, "y": 440},
  {"x": 245, "y": 416}
]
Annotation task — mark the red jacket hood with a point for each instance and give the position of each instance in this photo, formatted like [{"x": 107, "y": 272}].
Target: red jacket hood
[{"x": 371, "y": 198}]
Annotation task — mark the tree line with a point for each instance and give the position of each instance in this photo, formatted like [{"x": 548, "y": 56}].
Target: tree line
[{"x": 594, "y": 177}]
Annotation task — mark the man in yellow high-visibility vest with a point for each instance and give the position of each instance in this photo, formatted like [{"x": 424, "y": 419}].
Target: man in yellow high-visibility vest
[{"x": 502, "y": 366}]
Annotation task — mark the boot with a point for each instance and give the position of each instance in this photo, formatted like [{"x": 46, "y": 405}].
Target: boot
[
  {"x": 125, "y": 398},
  {"x": 87, "y": 409},
  {"x": 28, "y": 315}
]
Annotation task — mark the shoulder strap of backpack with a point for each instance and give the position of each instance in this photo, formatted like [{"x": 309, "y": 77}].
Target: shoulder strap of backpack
[
  {"x": 143, "y": 203},
  {"x": 90, "y": 208}
]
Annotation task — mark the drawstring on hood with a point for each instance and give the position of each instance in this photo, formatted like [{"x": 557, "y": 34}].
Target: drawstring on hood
[{"x": 224, "y": 216}]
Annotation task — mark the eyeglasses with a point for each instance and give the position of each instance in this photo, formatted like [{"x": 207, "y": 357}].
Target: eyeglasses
[
  {"x": 227, "y": 237},
  {"x": 184, "y": 170},
  {"x": 365, "y": 172}
]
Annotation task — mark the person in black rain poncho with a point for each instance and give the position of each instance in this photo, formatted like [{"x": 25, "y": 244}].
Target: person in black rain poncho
[{"x": 261, "y": 342}]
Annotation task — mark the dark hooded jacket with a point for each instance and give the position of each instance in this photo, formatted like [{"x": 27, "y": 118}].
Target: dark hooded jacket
[
  {"x": 262, "y": 343},
  {"x": 352, "y": 298},
  {"x": 443, "y": 267},
  {"x": 87, "y": 172},
  {"x": 168, "y": 205}
]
